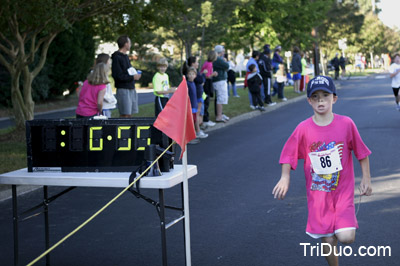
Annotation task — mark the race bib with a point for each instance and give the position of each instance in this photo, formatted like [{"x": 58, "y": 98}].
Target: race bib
[{"x": 326, "y": 162}]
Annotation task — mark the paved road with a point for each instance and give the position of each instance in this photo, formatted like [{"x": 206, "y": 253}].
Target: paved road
[{"x": 234, "y": 219}]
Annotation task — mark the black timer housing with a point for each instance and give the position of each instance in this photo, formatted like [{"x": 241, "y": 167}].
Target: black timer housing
[{"x": 88, "y": 145}]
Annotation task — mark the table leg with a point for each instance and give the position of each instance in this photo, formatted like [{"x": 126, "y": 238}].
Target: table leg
[
  {"x": 46, "y": 222},
  {"x": 162, "y": 224},
  {"x": 183, "y": 224},
  {"x": 15, "y": 223}
]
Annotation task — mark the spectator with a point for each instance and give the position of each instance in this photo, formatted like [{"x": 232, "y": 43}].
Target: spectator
[
  {"x": 255, "y": 55},
  {"x": 264, "y": 65},
  {"x": 207, "y": 70},
  {"x": 219, "y": 83},
  {"x": 109, "y": 102},
  {"x": 124, "y": 77},
  {"x": 161, "y": 87},
  {"x": 281, "y": 79},
  {"x": 335, "y": 64},
  {"x": 231, "y": 77},
  {"x": 191, "y": 75},
  {"x": 342, "y": 64},
  {"x": 199, "y": 81},
  {"x": 276, "y": 59},
  {"x": 254, "y": 81},
  {"x": 92, "y": 93},
  {"x": 296, "y": 69},
  {"x": 358, "y": 62}
]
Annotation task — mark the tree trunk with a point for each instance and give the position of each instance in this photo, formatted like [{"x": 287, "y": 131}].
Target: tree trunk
[
  {"x": 27, "y": 90},
  {"x": 17, "y": 101}
]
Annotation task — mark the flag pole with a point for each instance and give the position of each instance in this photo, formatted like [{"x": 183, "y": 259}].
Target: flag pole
[{"x": 186, "y": 209}]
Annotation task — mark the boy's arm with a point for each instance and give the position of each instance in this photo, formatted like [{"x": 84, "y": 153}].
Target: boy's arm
[
  {"x": 282, "y": 186},
  {"x": 365, "y": 186}
]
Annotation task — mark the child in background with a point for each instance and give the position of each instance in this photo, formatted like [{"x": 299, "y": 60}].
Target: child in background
[
  {"x": 207, "y": 69},
  {"x": 325, "y": 142},
  {"x": 109, "y": 102},
  {"x": 199, "y": 82},
  {"x": 191, "y": 75},
  {"x": 161, "y": 86},
  {"x": 92, "y": 93},
  {"x": 254, "y": 81},
  {"x": 281, "y": 79}
]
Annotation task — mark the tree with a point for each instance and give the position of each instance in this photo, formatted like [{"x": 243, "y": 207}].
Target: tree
[
  {"x": 28, "y": 29},
  {"x": 343, "y": 20}
]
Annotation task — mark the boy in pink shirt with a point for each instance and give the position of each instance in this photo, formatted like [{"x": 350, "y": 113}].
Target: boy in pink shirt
[{"x": 325, "y": 142}]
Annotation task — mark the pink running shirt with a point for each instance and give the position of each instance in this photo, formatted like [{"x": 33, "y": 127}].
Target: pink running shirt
[
  {"x": 330, "y": 197},
  {"x": 87, "y": 105}
]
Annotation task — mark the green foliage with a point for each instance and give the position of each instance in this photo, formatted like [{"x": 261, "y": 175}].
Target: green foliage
[
  {"x": 70, "y": 58},
  {"x": 342, "y": 21}
]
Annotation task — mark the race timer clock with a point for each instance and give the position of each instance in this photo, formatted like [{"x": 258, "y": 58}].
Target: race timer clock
[{"x": 81, "y": 145}]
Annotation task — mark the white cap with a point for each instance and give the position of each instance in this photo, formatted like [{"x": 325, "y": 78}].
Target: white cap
[{"x": 219, "y": 49}]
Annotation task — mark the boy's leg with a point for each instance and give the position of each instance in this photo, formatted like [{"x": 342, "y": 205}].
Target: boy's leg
[
  {"x": 251, "y": 99},
  {"x": 254, "y": 98},
  {"x": 332, "y": 248},
  {"x": 346, "y": 237},
  {"x": 259, "y": 100}
]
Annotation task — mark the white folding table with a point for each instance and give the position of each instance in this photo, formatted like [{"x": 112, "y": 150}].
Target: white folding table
[{"x": 95, "y": 179}]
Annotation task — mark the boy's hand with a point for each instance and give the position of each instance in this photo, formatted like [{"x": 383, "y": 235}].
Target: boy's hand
[
  {"x": 281, "y": 188},
  {"x": 365, "y": 187}
]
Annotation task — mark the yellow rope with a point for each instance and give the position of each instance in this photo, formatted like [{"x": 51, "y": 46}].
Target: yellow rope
[{"x": 99, "y": 211}]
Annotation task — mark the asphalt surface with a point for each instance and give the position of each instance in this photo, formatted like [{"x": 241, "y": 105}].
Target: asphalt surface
[{"x": 234, "y": 218}]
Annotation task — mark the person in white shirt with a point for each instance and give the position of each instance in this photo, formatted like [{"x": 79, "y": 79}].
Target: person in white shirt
[{"x": 394, "y": 71}]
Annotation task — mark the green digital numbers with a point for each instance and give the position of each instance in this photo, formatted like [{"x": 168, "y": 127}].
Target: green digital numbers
[{"x": 95, "y": 139}]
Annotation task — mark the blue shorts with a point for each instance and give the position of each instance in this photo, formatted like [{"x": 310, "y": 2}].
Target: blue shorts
[{"x": 297, "y": 76}]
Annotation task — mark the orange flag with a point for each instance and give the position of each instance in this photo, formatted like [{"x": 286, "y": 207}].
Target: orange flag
[{"x": 176, "y": 120}]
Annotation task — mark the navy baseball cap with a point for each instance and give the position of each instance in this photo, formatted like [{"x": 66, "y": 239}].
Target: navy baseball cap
[{"x": 322, "y": 83}]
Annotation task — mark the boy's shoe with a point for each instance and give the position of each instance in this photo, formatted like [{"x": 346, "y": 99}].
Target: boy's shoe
[
  {"x": 284, "y": 99},
  {"x": 209, "y": 123},
  {"x": 271, "y": 104},
  {"x": 194, "y": 141},
  {"x": 261, "y": 108},
  {"x": 252, "y": 107},
  {"x": 237, "y": 96},
  {"x": 201, "y": 135},
  {"x": 224, "y": 117}
]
